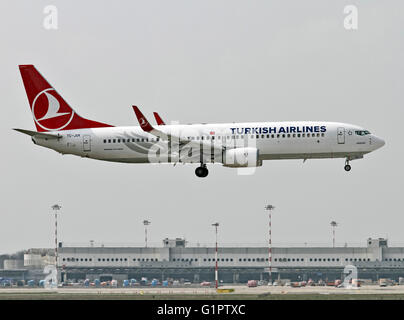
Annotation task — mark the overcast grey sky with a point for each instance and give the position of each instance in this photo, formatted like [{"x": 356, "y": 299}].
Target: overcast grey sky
[{"x": 204, "y": 61}]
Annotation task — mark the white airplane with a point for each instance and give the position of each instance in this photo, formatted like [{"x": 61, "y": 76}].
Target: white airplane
[{"x": 234, "y": 145}]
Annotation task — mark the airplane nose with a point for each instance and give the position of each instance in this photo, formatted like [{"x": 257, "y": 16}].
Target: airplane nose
[{"x": 378, "y": 142}]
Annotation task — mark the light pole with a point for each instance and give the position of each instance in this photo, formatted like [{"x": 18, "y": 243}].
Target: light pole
[
  {"x": 56, "y": 209},
  {"x": 270, "y": 208},
  {"x": 333, "y": 224},
  {"x": 216, "y": 265},
  {"x": 146, "y": 223}
]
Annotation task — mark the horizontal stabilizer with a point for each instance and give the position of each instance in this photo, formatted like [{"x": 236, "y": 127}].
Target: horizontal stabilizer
[{"x": 39, "y": 134}]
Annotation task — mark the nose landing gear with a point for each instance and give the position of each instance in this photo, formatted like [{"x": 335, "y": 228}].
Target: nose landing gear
[
  {"x": 347, "y": 165},
  {"x": 201, "y": 171}
]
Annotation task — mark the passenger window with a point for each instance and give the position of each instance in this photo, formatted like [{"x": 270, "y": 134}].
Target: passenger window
[
  {"x": 114, "y": 140},
  {"x": 105, "y": 141}
]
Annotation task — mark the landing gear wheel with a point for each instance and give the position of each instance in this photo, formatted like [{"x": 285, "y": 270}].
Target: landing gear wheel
[
  {"x": 201, "y": 172},
  {"x": 347, "y": 167}
]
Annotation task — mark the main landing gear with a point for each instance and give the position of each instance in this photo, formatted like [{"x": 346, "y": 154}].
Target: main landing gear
[
  {"x": 347, "y": 165},
  {"x": 202, "y": 171}
]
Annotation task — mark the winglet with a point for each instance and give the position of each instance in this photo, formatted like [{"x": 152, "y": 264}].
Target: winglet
[
  {"x": 144, "y": 124},
  {"x": 159, "y": 121}
]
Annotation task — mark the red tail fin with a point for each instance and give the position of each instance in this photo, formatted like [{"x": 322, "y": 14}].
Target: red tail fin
[{"x": 50, "y": 111}]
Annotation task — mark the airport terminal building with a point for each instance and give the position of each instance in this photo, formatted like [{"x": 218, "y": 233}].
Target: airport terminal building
[
  {"x": 177, "y": 261},
  {"x": 236, "y": 264}
]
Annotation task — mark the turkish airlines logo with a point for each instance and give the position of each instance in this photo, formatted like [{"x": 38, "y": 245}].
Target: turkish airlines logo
[
  {"x": 142, "y": 122},
  {"x": 50, "y": 112}
]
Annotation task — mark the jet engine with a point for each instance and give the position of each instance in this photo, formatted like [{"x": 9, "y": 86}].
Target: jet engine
[{"x": 241, "y": 157}]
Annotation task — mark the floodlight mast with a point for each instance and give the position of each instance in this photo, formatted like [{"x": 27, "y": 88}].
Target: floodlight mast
[
  {"x": 333, "y": 224},
  {"x": 56, "y": 209},
  {"x": 216, "y": 224},
  {"x": 270, "y": 208}
]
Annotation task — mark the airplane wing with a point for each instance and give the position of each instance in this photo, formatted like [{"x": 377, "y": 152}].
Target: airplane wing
[
  {"x": 147, "y": 127},
  {"x": 159, "y": 121},
  {"x": 39, "y": 134}
]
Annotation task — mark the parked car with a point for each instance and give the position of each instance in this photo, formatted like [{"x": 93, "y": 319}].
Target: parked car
[
  {"x": 252, "y": 283},
  {"x": 206, "y": 284}
]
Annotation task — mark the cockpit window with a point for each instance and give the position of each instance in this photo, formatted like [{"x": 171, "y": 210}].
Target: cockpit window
[{"x": 362, "y": 132}]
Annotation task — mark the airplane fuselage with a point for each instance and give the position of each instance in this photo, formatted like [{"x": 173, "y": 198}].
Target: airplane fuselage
[{"x": 205, "y": 143}]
